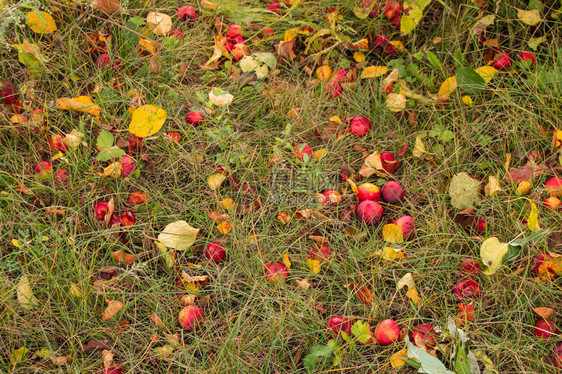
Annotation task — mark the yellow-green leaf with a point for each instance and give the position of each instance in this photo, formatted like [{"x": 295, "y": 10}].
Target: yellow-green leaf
[
  {"x": 448, "y": 86},
  {"x": 178, "y": 235},
  {"x": 41, "y": 22},
  {"x": 147, "y": 120},
  {"x": 392, "y": 233},
  {"x": 25, "y": 295},
  {"x": 529, "y": 17},
  {"x": 533, "y": 219},
  {"x": 215, "y": 181},
  {"x": 487, "y": 73},
  {"x": 493, "y": 187},
  {"x": 18, "y": 355},
  {"x": 373, "y": 71},
  {"x": 419, "y": 148},
  {"x": 411, "y": 18},
  {"x": 396, "y": 102},
  {"x": 492, "y": 252},
  {"x": 80, "y": 104}
]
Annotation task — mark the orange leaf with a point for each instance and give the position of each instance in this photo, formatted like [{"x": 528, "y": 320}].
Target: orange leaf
[
  {"x": 543, "y": 312},
  {"x": 113, "y": 307},
  {"x": 122, "y": 257},
  {"x": 466, "y": 313},
  {"x": 224, "y": 227}
]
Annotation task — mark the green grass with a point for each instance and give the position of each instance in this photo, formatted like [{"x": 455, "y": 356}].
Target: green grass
[{"x": 250, "y": 325}]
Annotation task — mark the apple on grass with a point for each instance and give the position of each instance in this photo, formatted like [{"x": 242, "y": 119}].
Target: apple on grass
[
  {"x": 276, "y": 272},
  {"x": 368, "y": 191},
  {"x": 369, "y": 212},
  {"x": 190, "y": 317},
  {"x": 215, "y": 252},
  {"x": 387, "y": 332},
  {"x": 392, "y": 192},
  {"x": 338, "y": 324}
]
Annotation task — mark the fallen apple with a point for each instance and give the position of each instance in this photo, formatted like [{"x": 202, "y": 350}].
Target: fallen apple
[
  {"x": 56, "y": 142},
  {"x": 369, "y": 212},
  {"x": 43, "y": 168},
  {"x": 330, "y": 197},
  {"x": 389, "y": 163},
  {"x": 239, "y": 50},
  {"x": 234, "y": 30},
  {"x": 323, "y": 73},
  {"x": 425, "y": 332},
  {"x": 276, "y": 272},
  {"x": 470, "y": 266},
  {"x": 338, "y": 324},
  {"x": 368, "y": 191},
  {"x": 554, "y": 186},
  {"x": 360, "y": 126},
  {"x": 194, "y": 118},
  {"x": 186, "y": 13},
  {"x": 408, "y": 226},
  {"x": 467, "y": 289},
  {"x": 387, "y": 332},
  {"x": 552, "y": 202},
  {"x": 274, "y": 8},
  {"x": 528, "y": 56},
  {"x": 127, "y": 165},
  {"x": 190, "y": 317},
  {"x": 113, "y": 369},
  {"x": 503, "y": 63},
  {"x": 392, "y": 192},
  {"x": 320, "y": 252},
  {"x": 215, "y": 252},
  {"x": 545, "y": 328}
]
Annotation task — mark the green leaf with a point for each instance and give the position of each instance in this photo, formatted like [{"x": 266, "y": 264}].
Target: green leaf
[
  {"x": 104, "y": 140},
  {"x": 411, "y": 18},
  {"x": 428, "y": 363},
  {"x": 435, "y": 131},
  {"x": 110, "y": 154},
  {"x": 433, "y": 60},
  {"x": 464, "y": 191},
  {"x": 469, "y": 80},
  {"x": 247, "y": 64},
  {"x": 360, "y": 331},
  {"x": 267, "y": 58},
  {"x": 310, "y": 362},
  {"x": 363, "y": 12},
  {"x": 461, "y": 360},
  {"x": 533, "y": 43},
  {"x": 446, "y": 136},
  {"x": 18, "y": 355},
  {"x": 459, "y": 57}
]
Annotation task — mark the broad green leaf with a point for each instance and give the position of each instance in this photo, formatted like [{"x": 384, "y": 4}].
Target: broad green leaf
[
  {"x": 267, "y": 58},
  {"x": 110, "y": 153},
  {"x": 104, "y": 140},
  {"x": 248, "y": 63},
  {"x": 428, "y": 363},
  {"x": 461, "y": 360},
  {"x": 361, "y": 332},
  {"x": 178, "y": 235},
  {"x": 491, "y": 253},
  {"x": 147, "y": 120},
  {"x": 433, "y": 60},
  {"x": 411, "y": 18},
  {"x": 469, "y": 80},
  {"x": 464, "y": 191}
]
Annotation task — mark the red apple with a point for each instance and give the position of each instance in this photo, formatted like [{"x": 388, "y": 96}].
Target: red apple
[
  {"x": 545, "y": 328},
  {"x": 186, "y": 13},
  {"x": 320, "y": 252},
  {"x": 387, "y": 332},
  {"x": 215, "y": 252},
  {"x": 392, "y": 192},
  {"x": 55, "y": 141},
  {"x": 234, "y": 30},
  {"x": 113, "y": 369},
  {"x": 128, "y": 218},
  {"x": 467, "y": 289},
  {"x": 61, "y": 177},
  {"x": 528, "y": 56},
  {"x": 380, "y": 44},
  {"x": 301, "y": 150},
  {"x": 553, "y": 186},
  {"x": 239, "y": 50},
  {"x": 389, "y": 163},
  {"x": 368, "y": 191},
  {"x": 369, "y": 212},
  {"x": 276, "y": 272},
  {"x": 330, "y": 197},
  {"x": 340, "y": 76},
  {"x": 194, "y": 118},
  {"x": 426, "y": 332},
  {"x": 8, "y": 93},
  {"x": 360, "y": 126},
  {"x": 503, "y": 63},
  {"x": 43, "y": 168},
  {"x": 175, "y": 32},
  {"x": 470, "y": 266},
  {"x": 557, "y": 356},
  {"x": 408, "y": 225},
  {"x": 338, "y": 324},
  {"x": 334, "y": 90},
  {"x": 552, "y": 202},
  {"x": 190, "y": 317},
  {"x": 127, "y": 165},
  {"x": 274, "y": 8},
  {"x": 392, "y": 8},
  {"x": 480, "y": 225},
  {"x": 100, "y": 209}
]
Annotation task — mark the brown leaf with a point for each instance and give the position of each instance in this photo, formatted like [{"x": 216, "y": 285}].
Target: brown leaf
[
  {"x": 200, "y": 280},
  {"x": 466, "y": 218},
  {"x": 96, "y": 345},
  {"x": 55, "y": 211},
  {"x": 113, "y": 307},
  {"x": 286, "y": 49},
  {"x": 23, "y": 189},
  {"x": 329, "y": 130},
  {"x": 217, "y": 216},
  {"x": 524, "y": 173},
  {"x": 403, "y": 150},
  {"x": 346, "y": 171},
  {"x": 543, "y": 311},
  {"x": 303, "y": 283},
  {"x": 108, "y": 6},
  {"x": 137, "y": 197},
  {"x": 362, "y": 150},
  {"x": 110, "y": 210},
  {"x": 319, "y": 239},
  {"x": 124, "y": 258},
  {"x": 173, "y": 339},
  {"x": 157, "y": 321}
]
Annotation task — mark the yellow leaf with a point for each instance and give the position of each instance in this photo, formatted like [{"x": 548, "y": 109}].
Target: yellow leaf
[
  {"x": 413, "y": 295},
  {"x": 224, "y": 227},
  {"x": 147, "y": 45},
  {"x": 227, "y": 203},
  {"x": 286, "y": 260},
  {"x": 18, "y": 355},
  {"x": 73, "y": 139},
  {"x": 319, "y": 154},
  {"x": 533, "y": 219},
  {"x": 336, "y": 119},
  {"x": 396, "y": 102},
  {"x": 209, "y": 5},
  {"x": 41, "y": 22},
  {"x": 80, "y": 104},
  {"x": 75, "y": 291},
  {"x": 290, "y": 34},
  {"x": 392, "y": 233},
  {"x": 419, "y": 148},
  {"x": 313, "y": 265},
  {"x": 448, "y": 86},
  {"x": 507, "y": 161},
  {"x": 467, "y": 100},
  {"x": 398, "y": 45},
  {"x": 493, "y": 187},
  {"x": 147, "y": 120},
  {"x": 358, "y": 57},
  {"x": 373, "y": 71},
  {"x": 215, "y": 181},
  {"x": 529, "y": 17},
  {"x": 25, "y": 295},
  {"x": 16, "y": 243},
  {"x": 487, "y": 73},
  {"x": 391, "y": 254},
  {"x": 557, "y": 139},
  {"x": 113, "y": 307},
  {"x": 159, "y": 23},
  {"x": 178, "y": 235},
  {"x": 406, "y": 281},
  {"x": 112, "y": 170},
  {"x": 353, "y": 186},
  {"x": 491, "y": 253},
  {"x": 397, "y": 359},
  {"x": 524, "y": 188}
]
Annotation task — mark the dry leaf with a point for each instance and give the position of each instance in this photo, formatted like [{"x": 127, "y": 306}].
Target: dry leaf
[
  {"x": 419, "y": 148},
  {"x": 543, "y": 311},
  {"x": 493, "y": 187},
  {"x": 529, "y": 17},
  {"x": 178, "y": 235},
  {"x": 122, "y": 257},
  {"x": 392, "y": 233},
  {"x": 113, "y": 307},
  {"x": 448, "y": 86},
  {"x": 157, "y": 321},
  {"x": 24, "y": 294},
  {"x": 80, "y": 104},
  {"x": 159, "y": 23},
  {"x": 215, "y": 181},
  {"x": 373, "y": 71},
  {"x": 313, "y": 265},
  {"x": 396, "y": 102},
  {"x": 107, "y": 358},
  {"x": 303, "y": 283},
  {"x": 224, "y": 227},
  {"x": 96, "y": 345},
  {"x": 108, "y": 6}
]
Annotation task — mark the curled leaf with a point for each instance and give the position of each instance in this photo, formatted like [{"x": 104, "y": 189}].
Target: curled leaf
[
  {"x": 493, "y": 187},
  {"x": 533, "y": 218}
]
